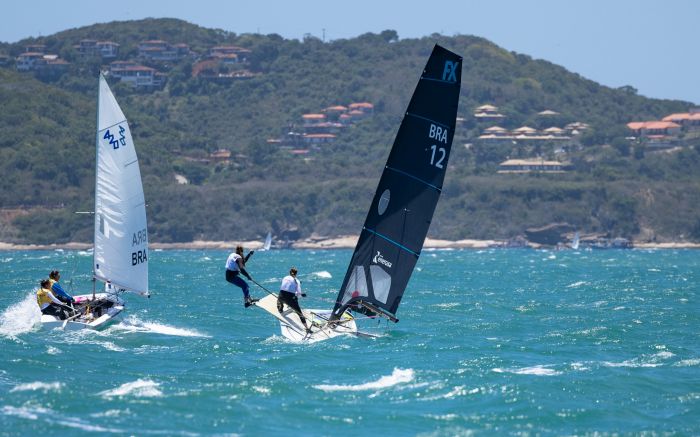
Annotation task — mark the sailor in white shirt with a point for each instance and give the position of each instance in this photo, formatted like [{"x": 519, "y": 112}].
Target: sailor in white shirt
[
  {"x": 235, "y": 266},
  {"x": 290, "y": 290}
]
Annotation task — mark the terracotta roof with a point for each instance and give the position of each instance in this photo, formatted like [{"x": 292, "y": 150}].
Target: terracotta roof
[
  {"x": 495, "y": 129},
  {"x": 486, "y": 108},
  {"x": 319, "y": 136},
  {"x": 530, "y": 162},
  {"x": 636, "y": 125},
  {"x": 680, "y": 116},
  {"x": 313, "y": 116},
  {"x": 548, "y": 112},
  {"x": 337, "y": 108},
  {"x": 488, "y": 115},
  {"x": 525, "y": 129},
  {"x": 361, "y": 105}
]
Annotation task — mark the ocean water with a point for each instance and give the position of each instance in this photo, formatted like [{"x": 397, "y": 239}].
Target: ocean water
[{"x": 490, "y": 342}]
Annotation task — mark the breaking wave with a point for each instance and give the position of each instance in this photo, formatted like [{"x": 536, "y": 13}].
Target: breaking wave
[
  {"x": 38, "y": 385},
  {"x": 21, "y": 317},
  {"x": 141, "y": 388},
  {"x": 134, "y": 324},
  {"x": 533, "y": 370},
  {"x": 398, "y": 376},
  {"x": 322, "y": 274}
]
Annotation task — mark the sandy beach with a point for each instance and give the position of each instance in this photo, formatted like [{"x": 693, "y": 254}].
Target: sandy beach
[{"x": 341, "y": 242}]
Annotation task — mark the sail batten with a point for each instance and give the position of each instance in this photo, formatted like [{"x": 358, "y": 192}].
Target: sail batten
[
  {"x": 397, "y": 223},
  {"x": 413, "y": 177},
  {"x": 400, "y": 246}
]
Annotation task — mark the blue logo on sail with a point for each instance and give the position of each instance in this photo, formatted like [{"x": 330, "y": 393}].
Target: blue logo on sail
[
  {"x": 114, "y": 141},
  {"x": 449, "y": 74}
]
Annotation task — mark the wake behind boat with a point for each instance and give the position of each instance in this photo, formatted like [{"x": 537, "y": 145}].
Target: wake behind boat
[
  {"x": 399, "y": 217},
  {"x": 120, "y": 256}
]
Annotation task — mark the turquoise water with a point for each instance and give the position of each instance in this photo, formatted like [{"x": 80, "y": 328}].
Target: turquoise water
[{"x": 495, "y": 342}]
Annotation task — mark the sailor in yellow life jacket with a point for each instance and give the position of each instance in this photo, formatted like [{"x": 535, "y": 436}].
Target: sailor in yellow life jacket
[{"x": 48, "y": 303}]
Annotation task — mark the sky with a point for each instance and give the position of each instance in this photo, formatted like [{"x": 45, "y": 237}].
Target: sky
[{"x": 648, "y": 44}]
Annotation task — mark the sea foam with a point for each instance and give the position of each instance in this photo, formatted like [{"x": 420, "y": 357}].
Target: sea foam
[
  {"x": 38, "y": 385},
  {"x": 398, "y": 376},
  {"x": 322, "y": 274},
  {"x": 21, "y": 317},
  {"x": 533, "y": 370},
  {"x": 134, "y": 324},
  {"x": 141, "y": 388}
]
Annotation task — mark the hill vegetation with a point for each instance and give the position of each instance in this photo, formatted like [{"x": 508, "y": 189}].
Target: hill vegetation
[{"x": 47, "y": 142}]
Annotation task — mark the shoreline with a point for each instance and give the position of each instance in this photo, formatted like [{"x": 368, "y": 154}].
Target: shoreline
[{"x": 342, "y": 242}]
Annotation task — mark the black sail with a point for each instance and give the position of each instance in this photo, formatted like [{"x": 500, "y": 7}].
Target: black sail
[{"x": 398, "y": 220}]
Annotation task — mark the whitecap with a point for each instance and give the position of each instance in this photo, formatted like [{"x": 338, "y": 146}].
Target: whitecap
[
  {"x": 111, "y": 346},
  {"x": 448, "y": 305},
  {"x": 398, "y": 376},
  {"x": 576, "y": 284},
  {"x": 263, "y": 390},
  {"x": 52, "y": 418},
  {"x": 322, "y": 274},
  {"x": 38, "y": 385},
  {"x": 538, "y": 370},
  {"x": 134, "y": 324},
  {"x": 141, "y": 388},
  {"x": 21, "y": 317},
  {"x": 665, "y": 354},
  {"x": 688, "y": 363}
]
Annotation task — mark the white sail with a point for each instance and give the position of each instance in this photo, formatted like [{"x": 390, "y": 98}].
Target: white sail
[
  {"x": 268, "y": 242},
  {"x": 575, "y": 243},
  {"x": 121, "y": 241}
]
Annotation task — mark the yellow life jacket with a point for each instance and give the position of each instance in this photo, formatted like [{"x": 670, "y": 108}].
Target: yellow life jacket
[
  {"x": 42, "y": 297},
  {"x": 51, "y": 282}
]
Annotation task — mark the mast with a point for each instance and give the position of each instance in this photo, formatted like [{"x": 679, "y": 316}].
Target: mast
[
  {"x": 97, "y": 154},
  {"x": 400, "y": 214}
]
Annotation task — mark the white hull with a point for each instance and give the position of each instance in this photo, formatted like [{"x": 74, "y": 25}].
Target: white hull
[
  {"x": 91, "y": 317},
  {"x": 292, "y": 328}
]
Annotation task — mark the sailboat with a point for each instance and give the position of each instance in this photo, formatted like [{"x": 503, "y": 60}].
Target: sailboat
[
  {"x": 400, "y": 214},
  {"x": 575, "y": 243},
  {"x": 120, "y": 256},
  {"x": 268, "y": 242}
]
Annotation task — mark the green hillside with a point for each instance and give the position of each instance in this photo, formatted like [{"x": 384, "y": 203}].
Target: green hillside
[{"x": 47, "y": 142}]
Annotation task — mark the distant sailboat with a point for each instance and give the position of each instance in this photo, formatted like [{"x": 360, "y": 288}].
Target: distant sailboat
[
  {"x": 399, "y": 217},
  {"x": 268, "y": 242},
  {"x": 575, "y": 241},
  {"x": 120, "y": 256}
]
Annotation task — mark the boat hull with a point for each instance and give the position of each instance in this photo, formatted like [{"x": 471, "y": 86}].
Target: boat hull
[{"x": 293, "y": 329}]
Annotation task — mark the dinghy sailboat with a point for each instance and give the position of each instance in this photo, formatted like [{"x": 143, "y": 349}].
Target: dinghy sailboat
[
  {"x": 120, "y": 256},
  {"x": 268, "y": 242},
  {"x": 575, "y": 243},
  {"x": 400, "y": 214}
]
